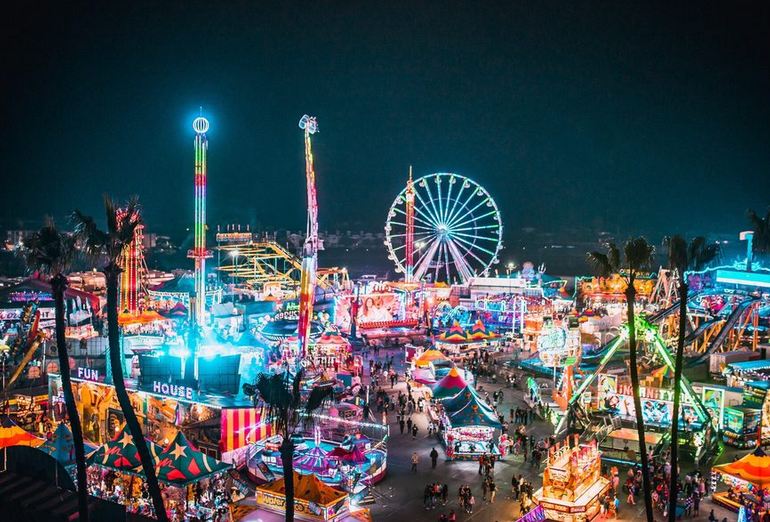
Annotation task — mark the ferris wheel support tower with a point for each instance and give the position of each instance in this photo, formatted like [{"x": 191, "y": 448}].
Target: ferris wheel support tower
[
  {"x": 312, "y": 244},
  {"x": 199, "y": 253},
  {"x": 409, "y": 244}
]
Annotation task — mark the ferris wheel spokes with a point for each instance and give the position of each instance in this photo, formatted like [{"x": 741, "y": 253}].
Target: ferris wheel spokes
[{"x": 448, "y": 229}]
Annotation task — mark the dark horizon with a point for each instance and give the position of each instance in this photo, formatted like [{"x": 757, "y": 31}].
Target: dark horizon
[{"x": 629, "y": 118}]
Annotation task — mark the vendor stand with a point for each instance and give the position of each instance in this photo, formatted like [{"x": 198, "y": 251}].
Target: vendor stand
[
  {"x": 313, "y": 500},
  {"x": 573, "y": 486},
  {"x": 469, "y": 426},
  {"x": 748, "y": 481}
]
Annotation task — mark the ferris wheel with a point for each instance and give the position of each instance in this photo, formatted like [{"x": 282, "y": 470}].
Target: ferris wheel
[{"x": 443, "y": 227}]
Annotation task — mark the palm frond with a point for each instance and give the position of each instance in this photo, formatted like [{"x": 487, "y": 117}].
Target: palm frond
[
  {"x": 600, "y": 263},
  {"x": 48, "y": 250},
  {"x": 639, "y": 255},
  {"x": 677, "y": 256},
  {"x": 702, "y": 253}
]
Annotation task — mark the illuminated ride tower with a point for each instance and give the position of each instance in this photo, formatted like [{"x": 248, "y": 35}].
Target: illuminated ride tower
[
  {"x": 133, "y": 272},
  {"x": 199, "y": 252},
  {"x": 311, "y": 246},
  {"x": 409, "y": 244}
]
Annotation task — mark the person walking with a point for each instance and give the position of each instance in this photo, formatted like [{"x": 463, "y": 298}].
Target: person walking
[
  {"x": 433, "y": 457},
  {"x": 492, "y": 491},
  {"x": 514, "y": 488},
  {"x": 401, "y": 424},
  {"x": 484, "y": 487},
  {"x": 415, "y": 460},
  {"x": 414, "y": 431}
]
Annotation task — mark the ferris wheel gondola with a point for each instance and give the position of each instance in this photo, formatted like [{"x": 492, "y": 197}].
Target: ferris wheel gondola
[{"x": 443, "y": 227}]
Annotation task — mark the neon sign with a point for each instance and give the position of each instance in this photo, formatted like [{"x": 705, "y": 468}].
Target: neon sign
[
  {"x": 88, "y": 374},
  {"x": 172, "y": 390}
]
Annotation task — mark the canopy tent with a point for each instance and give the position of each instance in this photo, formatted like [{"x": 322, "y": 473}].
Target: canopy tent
[
  {"x": 11, "y": 434},
  {"x": 423, "y": 376},
  {"x": 61, "y": 446},
  {"x": 181, "y": 463},
  {"x": 479, "y": 332},
  {"x": 474, "y": 413},
  {"x": 330, "y": 338},
  {"x": 450, "y": 385},
  {"x": 455, "y": 334},
  {"x": 121, "y": 454},
  {"x": 429, "y": 357},
  {"x": 462, "y": 398},
  {"x": 308, "y": 488},
  {"x": 754, "y": 468}
]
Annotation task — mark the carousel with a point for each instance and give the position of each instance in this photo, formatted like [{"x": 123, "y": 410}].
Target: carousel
[{"x": 747, "y": 480}]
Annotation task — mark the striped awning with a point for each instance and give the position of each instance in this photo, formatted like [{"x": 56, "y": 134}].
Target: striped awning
[
  {"x": 754, "y": 468},
  {"x": 13, "y": 435},
  {"x": 243, "y": 426}
]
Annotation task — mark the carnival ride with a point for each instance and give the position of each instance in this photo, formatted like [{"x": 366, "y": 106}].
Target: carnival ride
[
  {"x": 23, "y": 349},
  {"x": 312, "y": 244},
  {"x": 449, "y": 223},
  {"x": 133, "y": 272},
  {"x": 199, "y": 253},
  {"x": 613, "y": 397}
]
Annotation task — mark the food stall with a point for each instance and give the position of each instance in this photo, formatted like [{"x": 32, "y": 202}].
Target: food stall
[
  {"x": 469, "y": 426},
  {"x": 313, "y": 500},
  {"x": 572, "y": 482},
  {"x": 748, "y": 480}
]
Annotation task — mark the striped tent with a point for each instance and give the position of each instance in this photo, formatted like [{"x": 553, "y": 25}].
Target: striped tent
[
  {"x": 241, "y": 427},
  {"x": 455, "y": 334},
  {"x": 479, "y": 332},
  {"x": 754, "y": 468},
  {"x": 429, "y": 357},
  {"x": 121, "y": 454},
  {"x": 181, "y": 463},
  {"x": 11, "y": 434},
  {"x": 450, "y": 385}
]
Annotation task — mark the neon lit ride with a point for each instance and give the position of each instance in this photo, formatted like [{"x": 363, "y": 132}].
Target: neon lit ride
[
  {"x": 199, "y": 253},
  {"x": 452, "y": 227}
]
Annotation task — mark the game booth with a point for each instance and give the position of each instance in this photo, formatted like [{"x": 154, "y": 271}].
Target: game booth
[
  {"x": 458, "y": 341},
  {"x": 747, "y": 479},
  {"x": 430, "y": 366},
  {"x": 313, "y": 499},
  {"x": 469, "y": 426},
  {"x": 450, "y": 385},
  {"x": 116, "y": 474},
  {"x": 573, "y": 486}
]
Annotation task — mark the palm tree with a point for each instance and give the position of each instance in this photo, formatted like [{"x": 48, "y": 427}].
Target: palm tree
[
  {"x": 683, "y": 257},
  {"x": 282, "y": 396},
  {"x": 761, "y": 240},
  {"x": 50, "y": 252},
  {"x": 638, "y": 254},
  {"x": 108, "y": 245}
]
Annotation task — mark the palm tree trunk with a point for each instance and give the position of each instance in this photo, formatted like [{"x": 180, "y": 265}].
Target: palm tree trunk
[
  {"x": 678, "y": 370},
  {"x": 287, "y": 459},
  {"x": 112, "y": 272},
  {"x": 58, "y": 285},
  {"x": 630, "y": 297}
]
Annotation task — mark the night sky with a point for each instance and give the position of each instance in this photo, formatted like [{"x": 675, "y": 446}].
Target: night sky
[{"x": 613, "y": 115}]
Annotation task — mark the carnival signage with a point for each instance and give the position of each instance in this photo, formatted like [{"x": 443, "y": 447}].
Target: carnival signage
[
  {"x": 88, "y": 374},
  {"x": 172, "y": 390}
]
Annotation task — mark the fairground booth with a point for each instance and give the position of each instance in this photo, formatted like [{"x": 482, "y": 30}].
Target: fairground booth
[
  {"x": 470, "y": 425},
  {"x": 430, "y": 366},
  {"x": 194, "y": 484},
  {"x": 747, "y": 481},
  {"x": 220, "y": 426},
  {"x": 458, "y": 341},
  {"x": 313, "y": 499},
  {"x": 573, "y": 486}
]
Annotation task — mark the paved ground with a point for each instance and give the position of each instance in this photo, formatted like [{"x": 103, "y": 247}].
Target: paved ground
[{"x": 399, "y": 496}]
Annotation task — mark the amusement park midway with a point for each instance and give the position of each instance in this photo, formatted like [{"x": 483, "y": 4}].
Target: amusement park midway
[{"x": 258, "y": 384}]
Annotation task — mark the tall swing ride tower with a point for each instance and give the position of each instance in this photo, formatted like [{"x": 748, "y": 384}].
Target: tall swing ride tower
[
  {"x": 199, "y": 253},
  {"x": 310, "y": 250}
]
